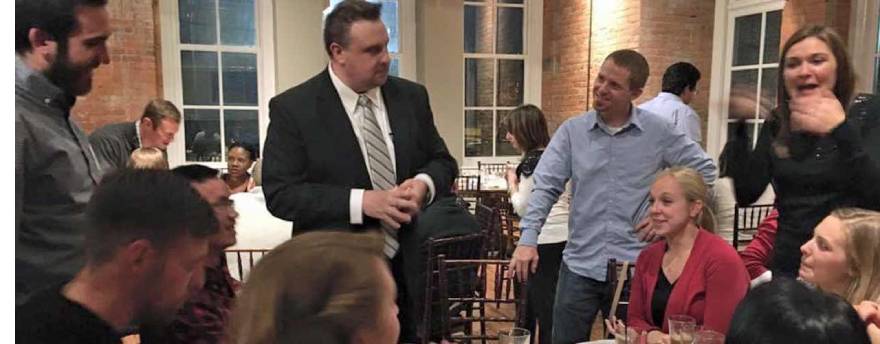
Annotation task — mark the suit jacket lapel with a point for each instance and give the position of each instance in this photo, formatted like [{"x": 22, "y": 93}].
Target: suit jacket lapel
[
  {"x": 400, "y": 121},
  {"x": 338, "y": 127}
]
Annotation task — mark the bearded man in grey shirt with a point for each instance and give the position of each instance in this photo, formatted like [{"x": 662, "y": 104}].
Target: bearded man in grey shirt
[{"x": 58, "y": 45}]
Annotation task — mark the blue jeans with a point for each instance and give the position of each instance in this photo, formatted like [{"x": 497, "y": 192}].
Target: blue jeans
[{"x": 578, "y": 299}]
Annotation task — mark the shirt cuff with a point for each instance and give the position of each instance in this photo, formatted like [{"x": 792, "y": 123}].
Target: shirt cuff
[
  {"x": 430, "y": 182},
  {"x": 355, "y": 207},
  {"x": 765, "y": 277},
  {"x": 529, "y": 238}
]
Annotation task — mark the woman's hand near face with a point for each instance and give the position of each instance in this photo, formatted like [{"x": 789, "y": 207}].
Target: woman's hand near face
[{"x": 816, "y": 114}]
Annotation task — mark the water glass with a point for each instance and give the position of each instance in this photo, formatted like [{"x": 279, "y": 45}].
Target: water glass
[
  {"x": 515, "y": 335},
  {"x": 708, "y": 337},
  {"x": 681, "y": 329}
]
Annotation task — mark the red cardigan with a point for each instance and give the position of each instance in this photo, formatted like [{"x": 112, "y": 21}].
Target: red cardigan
[
  {"x": 711, "y": 284},
  {"x": 756, "y": 256}
]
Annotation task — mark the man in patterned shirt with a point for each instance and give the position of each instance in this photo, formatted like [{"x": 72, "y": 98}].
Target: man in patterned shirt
[{"x": 204, "y": 316}]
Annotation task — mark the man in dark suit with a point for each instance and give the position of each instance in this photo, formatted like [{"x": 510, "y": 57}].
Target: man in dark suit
[{"x": 353, "y": 148}]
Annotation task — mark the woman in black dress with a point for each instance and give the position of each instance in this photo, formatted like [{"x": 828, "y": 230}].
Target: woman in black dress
[{"x": 818, "y": 153}]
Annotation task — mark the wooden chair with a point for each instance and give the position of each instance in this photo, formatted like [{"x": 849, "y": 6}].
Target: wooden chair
[
  {"x": 492, "y": 168},
  {"x": 467, "y": 188},
  {"x": 469, "y": 246},
  {"x": 619, "y": 274},
  {"x": 243, "y": 260},
  {"x": 455, "y": 289},
  {"x": 745, "y": 222}
]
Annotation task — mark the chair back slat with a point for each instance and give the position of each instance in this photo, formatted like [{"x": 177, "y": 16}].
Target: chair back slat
[
  {"x": 468, "y": 246},
  {"x": 466, "y": 308},
  {"x": 745, "y": 222},
  {"x": 242, "y": 261}
]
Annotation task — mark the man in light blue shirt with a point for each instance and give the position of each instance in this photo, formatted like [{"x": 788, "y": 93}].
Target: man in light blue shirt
[
  {"x": 678, "y": 90},
  {"x": 611, "y": 155}
]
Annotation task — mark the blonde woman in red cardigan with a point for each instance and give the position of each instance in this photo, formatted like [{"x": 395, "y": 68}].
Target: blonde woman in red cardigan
[{"x": 692, "y": 271}]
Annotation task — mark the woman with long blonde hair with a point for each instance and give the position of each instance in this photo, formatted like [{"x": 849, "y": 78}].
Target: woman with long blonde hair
[
  {"x": 319, "y": 287},
  {"x": 692, "y": 271}
]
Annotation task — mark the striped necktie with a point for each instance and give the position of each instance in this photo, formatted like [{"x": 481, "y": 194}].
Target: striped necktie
[{"x": 381, "y": 168}]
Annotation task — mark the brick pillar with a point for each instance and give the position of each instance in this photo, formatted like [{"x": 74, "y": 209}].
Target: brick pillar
[
  {"x": 674, "y": 31},
  {"x": 566, "y": 67},
  {"x": 833, "y": 13},
  {"x": 121, "y": 89}
]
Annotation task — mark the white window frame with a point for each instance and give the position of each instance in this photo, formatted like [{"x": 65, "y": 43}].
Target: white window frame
[
  {"x": 406, "y": 40},
  {"x": 172, "y": 78},
  {"x": 533, "y": 18},
  {"x": 863, "y": 43},
  {"x": 726, "y": 13}
]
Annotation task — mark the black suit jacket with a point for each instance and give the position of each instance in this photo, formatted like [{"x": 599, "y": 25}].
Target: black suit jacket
[{"x": 312, "y": 158}]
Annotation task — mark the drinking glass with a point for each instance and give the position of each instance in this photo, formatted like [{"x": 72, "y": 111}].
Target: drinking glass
[
  {"x": 681, "y": 329},
  {"x": 708, "y": 337},
  {"x": 515, "y": 335}
]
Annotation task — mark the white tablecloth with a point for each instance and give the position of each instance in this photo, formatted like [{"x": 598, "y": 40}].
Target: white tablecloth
[{"x": 256, "y": 228}]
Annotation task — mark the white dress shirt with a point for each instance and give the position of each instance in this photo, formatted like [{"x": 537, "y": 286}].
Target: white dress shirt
[
  {"x": 349, "y": 100},
  {"x": 683, "y": 116}
]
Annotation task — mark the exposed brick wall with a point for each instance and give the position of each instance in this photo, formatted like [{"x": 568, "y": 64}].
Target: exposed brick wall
[
  {"x": 577, "y": 39},
  {"x": 674, "y": 31},
  {"x": 833, "y": 13},
  {"x": 566, "y": 66},
  {"x": 121, "y": 89}
]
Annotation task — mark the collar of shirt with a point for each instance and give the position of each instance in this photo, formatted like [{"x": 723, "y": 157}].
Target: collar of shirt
[
  {"x": 350, "y": 98},
  {"x": 137, "y": 131},
  {"x": 596, "y": 122},
  {"x": 38, "y": 85},
  {"x": 669, "y": 97}
]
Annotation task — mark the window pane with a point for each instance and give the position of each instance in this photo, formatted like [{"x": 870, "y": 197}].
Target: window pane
[
  {"x": 769, "y": 90},
  {"x": 479, "y": 78},
  {"x": 743, "y": 94},
  {"x": 746, "y": 40},
  {"x": 478, "y": 133},
  {"x": 237, "y": 22},
  {"x": 771, "y": 37},
  {"x": 394, "y": 67},
  {"x": 502, "y": 146},
  {"x": 239, "y": 79},
  {"x": 202, "y": 130},
  {"x": 200, "y": 81},
  {"x": 241, "y": 126},
  {"x": 198, "y": 21},
  {"x": 477, "y": 29},
  {"x": 510, "y": 31},
  {"x": 390, "y": 18},
  {"x": 510, "y": 82}
]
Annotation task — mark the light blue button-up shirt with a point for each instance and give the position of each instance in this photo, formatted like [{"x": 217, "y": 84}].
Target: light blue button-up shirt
[
  {"x": 682, "y": 115},
  {"x": 611, "y": 177}
]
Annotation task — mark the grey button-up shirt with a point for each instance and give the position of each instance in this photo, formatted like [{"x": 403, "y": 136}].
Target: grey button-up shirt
[
  {"x": 611, "y": 176},
  {"x": 55, "y": 173}
]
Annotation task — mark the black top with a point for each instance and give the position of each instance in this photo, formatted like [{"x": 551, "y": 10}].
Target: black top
[
  {"x": 661, "y": 298},
  {"x": 821, "y": 174},
  {"x": 49, "y": 317}
]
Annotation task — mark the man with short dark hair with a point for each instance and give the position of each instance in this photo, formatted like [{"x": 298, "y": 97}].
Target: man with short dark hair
[
  {"x": 58, "y": 45},
  {"x": 113, "y": 143},
  {"x": 205, "y": 315},
  {"x": 679, "y": 88},
  {"x": 611, "y": 155},
  {"x": 354, "y": 147},
  {"x": 145, "y": 248}
]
